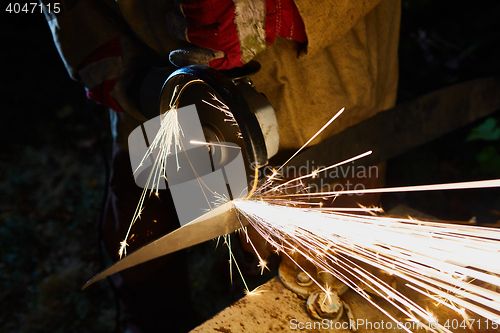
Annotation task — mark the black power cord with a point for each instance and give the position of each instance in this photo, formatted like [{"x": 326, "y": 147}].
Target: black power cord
[{"x": 94, "y": 110}]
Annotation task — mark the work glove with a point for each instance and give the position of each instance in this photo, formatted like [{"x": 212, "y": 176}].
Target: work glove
[
  {"x": 229, "y": 33},
  {"x": 100, "y": 72},
  {"x": 114, "y": 75}
]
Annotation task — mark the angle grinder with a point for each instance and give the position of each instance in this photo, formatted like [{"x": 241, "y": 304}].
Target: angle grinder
[{"x": 254, "y": 126}]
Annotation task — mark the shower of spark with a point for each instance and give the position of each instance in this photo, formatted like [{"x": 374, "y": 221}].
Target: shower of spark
[
  {"x": 450, "y": 264},
  {"x": 229, "y": 117},
  {"x": 219, "y": 105},
  {"x": 166, "y": 141},
  {"x": 455, "y": 265},
  {"x": 439, "y": 260}
]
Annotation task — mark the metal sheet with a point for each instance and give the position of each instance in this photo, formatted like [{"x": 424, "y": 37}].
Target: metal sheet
[
  {"x": 277, "y": 309},
  {"x": 219, "y": 221}
]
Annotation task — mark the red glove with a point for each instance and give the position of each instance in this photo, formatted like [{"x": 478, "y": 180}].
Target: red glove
[
  {"x": 100, "y": 72},
  {"x": 232, "y": 32}
]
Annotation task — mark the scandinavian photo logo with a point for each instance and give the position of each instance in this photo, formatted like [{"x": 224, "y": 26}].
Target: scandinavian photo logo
[{"x": 200, "y": 176}]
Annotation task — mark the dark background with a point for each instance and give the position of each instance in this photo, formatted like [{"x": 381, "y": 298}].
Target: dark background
[{"x": 52, "y": 173}]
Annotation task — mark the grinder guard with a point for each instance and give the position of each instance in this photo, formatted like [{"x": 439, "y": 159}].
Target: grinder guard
[{"x": 256, "y": 130}]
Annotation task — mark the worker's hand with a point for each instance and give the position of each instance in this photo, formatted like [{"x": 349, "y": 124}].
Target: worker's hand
[
  {"x": 229, "y": 33},
  {"x": 122, "y": 77},
  {"x": 99, "y": 73}
]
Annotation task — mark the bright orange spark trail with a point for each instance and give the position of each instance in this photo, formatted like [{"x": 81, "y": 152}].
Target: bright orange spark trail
[
  {"x": 448, "y": 263},
  {"x": 166, "y": 141},
  {"x": 434, "y": 187},
  {"x": 436, "y": 259}
]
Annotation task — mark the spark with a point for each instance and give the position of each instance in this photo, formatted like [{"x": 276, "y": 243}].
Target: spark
[
  {"x": 313, "y": 137},
  {"x": 428, "y": 255},
  {"x": 254, "y": 292},
  {"x": 223, "y": 108},
  {"x": 123, "y": 248},
  {"x": 436, "y": 259},
  {"x": 166, "y": 141},
  {"x": 316, "y": 172},
  {"x": 232, "y": 259},
  {"x": 263, "y": 266},
  {"x": 212, "y": 144},
  {"x": 349, "y": 209},
  {"x": 433, "y": 187}
]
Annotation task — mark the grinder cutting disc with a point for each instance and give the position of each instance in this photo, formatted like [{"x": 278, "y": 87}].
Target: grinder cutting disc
[{"x": 196, "y": 84}]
